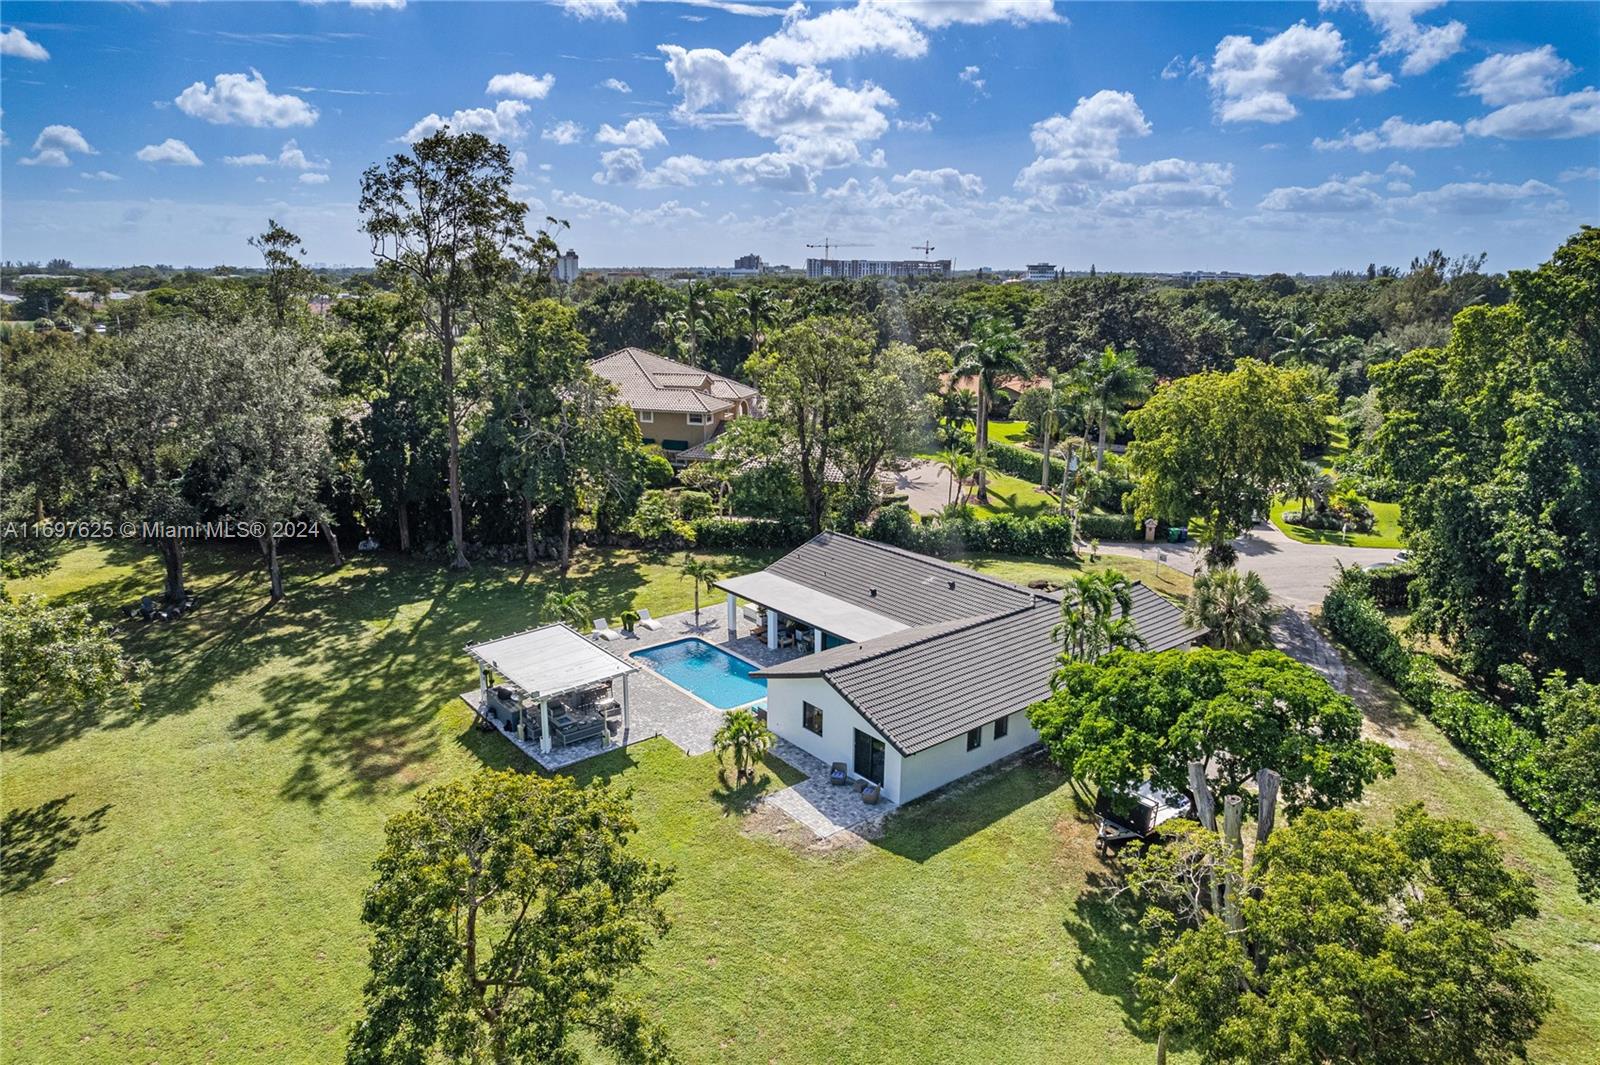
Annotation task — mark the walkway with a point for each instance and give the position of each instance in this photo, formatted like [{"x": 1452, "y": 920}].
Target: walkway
[
  {"x": 822, "y": 806},
  {"x": 1297, "y": 574}
]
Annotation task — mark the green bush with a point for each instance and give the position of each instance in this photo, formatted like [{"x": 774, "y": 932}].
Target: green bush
[
  {"x": 694, "y": 505},
  {"x": 748, "y": 534},
  {"x": 1391, "y": 587}
]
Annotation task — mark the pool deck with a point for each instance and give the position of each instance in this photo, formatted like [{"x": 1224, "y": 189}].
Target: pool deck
[{"x": 657, "y": 707}]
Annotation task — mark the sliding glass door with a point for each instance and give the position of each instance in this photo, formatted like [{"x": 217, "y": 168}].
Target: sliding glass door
[{"x": 869, "y": 757}]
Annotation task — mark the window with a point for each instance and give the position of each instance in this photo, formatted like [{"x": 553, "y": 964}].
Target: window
[
  {"x": 811, "y": 717},
  {"x": 975, "y": 738},
  {"x": 647, "y": 416},
  {"x": 1002, "y": 727},
  {"x": 647, "y": 440},
  {"x": 697, "y": 419}
]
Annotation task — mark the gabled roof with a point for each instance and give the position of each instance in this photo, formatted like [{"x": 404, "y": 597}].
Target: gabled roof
[
  {"x": 969, "y": 654},
  {"x": 646, "y": 381}
]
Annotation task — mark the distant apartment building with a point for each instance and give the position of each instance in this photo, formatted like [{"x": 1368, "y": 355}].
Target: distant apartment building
[
  {"x": 854, "y": 269},
  {"x": 751, "y": 262},
  {"x": 1040, "y": 272},
  {"x": 680, "y": 408},
  {"x": 566, "y": 267}
]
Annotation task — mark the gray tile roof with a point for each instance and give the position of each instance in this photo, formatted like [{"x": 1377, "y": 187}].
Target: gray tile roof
[
  {"x": 924, "y": 685},
  {"x": 646, "y": 381},
  {"x": 910, "y": 588}
]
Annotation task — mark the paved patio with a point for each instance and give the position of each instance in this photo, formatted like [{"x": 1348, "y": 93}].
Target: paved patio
[{"x": 657, "y": 707}]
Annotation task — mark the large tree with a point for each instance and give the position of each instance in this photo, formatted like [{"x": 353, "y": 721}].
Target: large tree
[
  {"x": 444, "y": 226},
  {"x": 1130, "y": 717},
  {"x": 990, "y": 352},
  {"x": 1116, "y": 381},
  {"x": 59, "y": 659},
  {"x": 1361, "y": 945},
  {"x": 810, "y": 375},
  {"x": 1221, "y": 445},
  {"x": 287, "y": 277},
  {"x": 505, "y": 910},
  {"x": 1495, "y": 442},
  {"x": 891, "y": 412}
]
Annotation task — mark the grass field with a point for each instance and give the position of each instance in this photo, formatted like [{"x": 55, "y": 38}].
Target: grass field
[
  {"x": 184, "y": 884},
  {"x": 1385, "y": 530}
]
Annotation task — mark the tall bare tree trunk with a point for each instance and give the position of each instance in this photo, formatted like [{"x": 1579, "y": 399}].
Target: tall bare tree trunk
[
  {"x": 274, "y": 571},
  {"x": 527, "y": 521},
  {"x": 1044, "y": 461},
  {"x": 983, "y": 439},
  {"x": 458, "y": 535},
  {"x": 566, "y": 538},
  {"x": 1100, "y": 448},
  {"x": 171, "y": 550},
  {"x": 405, "y": 526},
  {"x": 333, "y": 543}
]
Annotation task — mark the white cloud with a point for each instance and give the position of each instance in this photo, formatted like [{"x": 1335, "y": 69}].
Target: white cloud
[
  {"x": 1254, "y": 82},
  {"x": 1584, "y": 173},
  {"x": 243, "y": 99},
  {"x": 502, "y": 123},
  {"x": 614, "y": 10},
  {"x": 639, "y": 133},
  {"x": 55, "y": 144},
  {"x": 974, "y": 77},
  {"x": 525, "y": 86},
  {"x": 100, "y": 175},
  {"x": 564, "y": 132},
  {"x": 1472, "y": 197},
  {"x": 378, "y": 5},
  {"x": 1510, "y": 78},
  {"x": 616, "y": 85},
  {"x": 917, "y": 125},
  {"x": 1397, "y": 133},
  {"x": 946, "y": 179},
  {"x": 1424, "y": 47},
  {"x": 624, "y": 166},
  {"x": 1556, "y": 118},
  {"x": 1179, "y": 67},
  {"x": 313, "y": 179},
  {"x": 15, "y": 43},
  {"x": 1333, "y": 196},
  {"x": 171, "y": 151},
  {"x": 289, "y": 156}
]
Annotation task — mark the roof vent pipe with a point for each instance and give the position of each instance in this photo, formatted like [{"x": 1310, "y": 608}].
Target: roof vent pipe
[
  {"x": 873, "y": 592},
  {"x": 952, "y": 585}
]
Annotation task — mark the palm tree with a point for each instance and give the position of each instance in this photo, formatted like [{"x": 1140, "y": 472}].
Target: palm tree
[
  {"x": 1117, "y": 381},
  {"x": 1301, "y": 482},
  {"x": 674, "y": 329},
  {"x": 1096, "y": 617},
  {"x": 570, "y": 606},
  {"x": 755, "y": 307},
  {"x": 747, "y": 738},
  {"x": 702, "y": 574},
  {"x": 1235, "y": 606},
  {"x": 1302, "y": 344},
  {"x": 1064, "y": 389},
  {"x": 957, "y": 406},
  {"x": 991, "y": 351},
  {"x": 698, "y": 312},
  {"x": 958, "y": 465}
]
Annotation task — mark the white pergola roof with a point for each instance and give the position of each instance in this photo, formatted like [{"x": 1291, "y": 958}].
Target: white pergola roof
[
  {"x": 550, "y": 660},
  {"x": 807, "y": 605}
]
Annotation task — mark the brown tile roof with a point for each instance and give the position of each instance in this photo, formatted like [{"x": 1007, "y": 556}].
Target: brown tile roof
[{"x": 646, "y": 381}]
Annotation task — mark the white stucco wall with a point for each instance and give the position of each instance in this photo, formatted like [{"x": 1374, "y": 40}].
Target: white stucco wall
[
  {"x": 839, "y": 724},
  {"x": 939, "y": 765}
]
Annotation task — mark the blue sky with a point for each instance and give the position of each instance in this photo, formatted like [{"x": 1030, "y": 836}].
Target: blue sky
[{"x": 1247, "y": 137}]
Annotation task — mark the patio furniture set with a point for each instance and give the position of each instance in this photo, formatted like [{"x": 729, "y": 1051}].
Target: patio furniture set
[
  {"x": 839, "y": 773},
  {"x": 604, "y": 631},
  {"x": 586, "y": 714}
]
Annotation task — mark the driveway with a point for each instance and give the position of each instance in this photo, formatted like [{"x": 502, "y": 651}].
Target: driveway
[
  {"x": 926, "y": 485},
  {"x": 1297, "y": 574}
]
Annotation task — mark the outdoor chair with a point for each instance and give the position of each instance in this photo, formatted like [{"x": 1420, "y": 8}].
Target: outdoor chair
[
  {"x": 646, "y": 621},
  {"x": 870, "y": 794},
  {"x": 604, "y": 631},
  {"x": 839, "y": 774}
]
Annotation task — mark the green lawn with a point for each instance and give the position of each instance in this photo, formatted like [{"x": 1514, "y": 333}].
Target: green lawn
[
  {"x": 185, "y": 884},
  {"x": 1013, "y": 495},
  {"x": 1385, "y": 531}
]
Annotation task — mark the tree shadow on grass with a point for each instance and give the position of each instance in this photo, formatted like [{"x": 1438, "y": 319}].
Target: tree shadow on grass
[
  {"x": 930, "y": 824},
  {"x": 1112, "y": 943},
  {"x": 31, "y": 840},
  {"x": 740, "y": 798}
]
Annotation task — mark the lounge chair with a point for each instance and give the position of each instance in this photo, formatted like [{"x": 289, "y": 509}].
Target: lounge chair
[
  {"x": 604, "y": 631},
  {"x": 839, "y": 774},
  {"x": 646, "y": 621}
]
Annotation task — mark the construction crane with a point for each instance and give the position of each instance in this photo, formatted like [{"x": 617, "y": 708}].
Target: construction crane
[
  {"x": 827, "y": 246},
  {"x": 925, "y": 248}
]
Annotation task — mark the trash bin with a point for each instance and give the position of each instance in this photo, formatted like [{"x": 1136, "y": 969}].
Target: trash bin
[{"x": 1177, "y": 534}]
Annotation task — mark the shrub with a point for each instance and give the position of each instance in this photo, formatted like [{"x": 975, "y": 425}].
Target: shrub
[
  {"x": 694, "y": 505},
  {"x": 1391, "y": 587},
  {"x": 748, "y": 534}
]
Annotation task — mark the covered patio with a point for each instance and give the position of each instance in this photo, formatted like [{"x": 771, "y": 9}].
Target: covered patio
[
  {"x": 791, "y": 613},
  {"x": 553, "y": 685}
]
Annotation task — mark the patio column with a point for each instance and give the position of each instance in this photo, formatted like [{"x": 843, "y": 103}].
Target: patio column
[
  {"x": 622, "y": 737},
  {"x": 483, "y": 690},
  {"x": 544, "y": 725},
  {"x": 816, "y": 634},
  {"x": 772, "y": 629},
  {"x": 733, "y": 616}
]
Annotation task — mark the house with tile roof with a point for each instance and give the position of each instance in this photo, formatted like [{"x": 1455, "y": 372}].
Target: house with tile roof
[
  {"x": 920, "y": 671},
  {"x": 679, "y": 407}
]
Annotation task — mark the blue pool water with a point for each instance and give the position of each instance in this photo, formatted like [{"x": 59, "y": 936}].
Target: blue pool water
[{"x": 708, "y": 671}]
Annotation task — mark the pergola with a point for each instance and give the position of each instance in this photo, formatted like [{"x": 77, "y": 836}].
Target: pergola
[{"x": 547, "y": 663}]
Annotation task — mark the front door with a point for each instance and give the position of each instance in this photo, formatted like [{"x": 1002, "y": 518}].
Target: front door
[{"x": 869, "y": 758}]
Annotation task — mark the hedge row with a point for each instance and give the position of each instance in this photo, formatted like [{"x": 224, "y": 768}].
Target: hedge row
[
  {"x": 1508, "y": 751},
  {"x": 748, "y": 534},
  {"x": 1046, "y": 537}
]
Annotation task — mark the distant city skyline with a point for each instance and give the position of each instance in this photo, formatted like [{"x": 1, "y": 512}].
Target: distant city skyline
[{"x": 1146, "y": 138}]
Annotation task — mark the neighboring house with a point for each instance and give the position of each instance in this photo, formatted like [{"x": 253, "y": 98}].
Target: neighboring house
[
  {"x": 679, "y": 407},
  {"x": 921, "y": 670}
]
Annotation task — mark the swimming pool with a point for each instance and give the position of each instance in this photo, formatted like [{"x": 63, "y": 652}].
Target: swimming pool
[{"x": 706, "y": 670}]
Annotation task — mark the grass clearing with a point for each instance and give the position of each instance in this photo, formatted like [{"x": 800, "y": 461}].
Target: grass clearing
[{"x": 192, "y": 878}]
